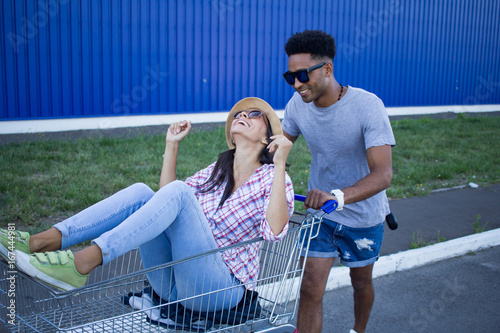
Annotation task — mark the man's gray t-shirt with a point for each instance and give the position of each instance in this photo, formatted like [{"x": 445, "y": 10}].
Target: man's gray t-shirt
[{"x": 338, "y": 137}]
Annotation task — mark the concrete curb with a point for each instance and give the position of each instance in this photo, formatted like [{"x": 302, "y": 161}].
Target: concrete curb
[
  {"x": 401, "y": 261},
  {"x": 397, "y": 262}
]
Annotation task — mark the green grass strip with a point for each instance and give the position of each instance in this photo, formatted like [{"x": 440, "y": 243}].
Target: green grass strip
[{"x": 45, "y": 181}]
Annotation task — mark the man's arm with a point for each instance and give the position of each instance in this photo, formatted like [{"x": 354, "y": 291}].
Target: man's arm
[
  {"x": 289, "y": 137},
  {"x": 380, "y": 177}
]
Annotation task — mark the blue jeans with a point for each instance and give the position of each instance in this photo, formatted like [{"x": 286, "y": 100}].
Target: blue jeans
[{"x": 166, "y": 225}]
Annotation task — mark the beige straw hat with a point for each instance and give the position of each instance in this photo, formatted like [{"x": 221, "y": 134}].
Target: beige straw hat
[{"x": 252, "y": 103}]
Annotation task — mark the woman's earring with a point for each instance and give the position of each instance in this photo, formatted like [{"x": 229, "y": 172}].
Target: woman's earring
[{"x": 264, "y": 141}]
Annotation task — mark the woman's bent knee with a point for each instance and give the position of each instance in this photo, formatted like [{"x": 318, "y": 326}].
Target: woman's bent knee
[
  {"x": 142, "y": 190},
  {"x": 177, "y": 186}
]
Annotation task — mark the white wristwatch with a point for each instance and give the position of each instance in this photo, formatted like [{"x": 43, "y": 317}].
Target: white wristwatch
[{"x": 340, "y": 198}]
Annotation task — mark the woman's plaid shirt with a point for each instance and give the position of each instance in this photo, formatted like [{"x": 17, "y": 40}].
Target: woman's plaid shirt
[{"x": 242, "y": 217}]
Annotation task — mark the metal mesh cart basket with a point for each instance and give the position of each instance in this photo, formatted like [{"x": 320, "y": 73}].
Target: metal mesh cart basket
[{"x": 104, "y": 304}]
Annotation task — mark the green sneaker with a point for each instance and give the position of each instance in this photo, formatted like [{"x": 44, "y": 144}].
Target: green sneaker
[
  {"x": 17, "y": 240},
  {"x": 54, "y": 268}
]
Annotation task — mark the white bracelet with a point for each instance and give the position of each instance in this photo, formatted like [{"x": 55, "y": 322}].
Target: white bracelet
[{"x": 339, "y": 195}]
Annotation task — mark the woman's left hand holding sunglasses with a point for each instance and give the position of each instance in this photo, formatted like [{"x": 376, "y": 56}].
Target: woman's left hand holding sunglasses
[{"x": 280, "y": 146}]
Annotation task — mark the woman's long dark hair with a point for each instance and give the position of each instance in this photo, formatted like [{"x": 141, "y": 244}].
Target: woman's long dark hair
[{"x": 223, "y": 169}]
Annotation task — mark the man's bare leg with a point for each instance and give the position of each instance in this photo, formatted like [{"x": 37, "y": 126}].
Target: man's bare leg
[
  {"x": 364, "y": 296},
  {"x": 310, "y": 314}
]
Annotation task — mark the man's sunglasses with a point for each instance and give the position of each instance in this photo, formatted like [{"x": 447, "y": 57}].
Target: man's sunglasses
[
  {"x": 301, "y": 75},
  {"x": 251, "y": 114}
]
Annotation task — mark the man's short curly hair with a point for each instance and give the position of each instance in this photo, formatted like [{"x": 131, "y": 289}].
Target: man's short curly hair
[{"x": 315, "y": 42}]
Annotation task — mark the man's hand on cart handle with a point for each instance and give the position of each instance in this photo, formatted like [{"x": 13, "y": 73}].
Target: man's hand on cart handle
[
  {"x": 316, "y": 199},
  {"x": 328, "y": 207}
]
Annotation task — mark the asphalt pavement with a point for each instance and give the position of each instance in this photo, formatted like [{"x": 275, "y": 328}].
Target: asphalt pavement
[
  {"x": 452, "y": 286},
  {"x": 459, "y": 295}
]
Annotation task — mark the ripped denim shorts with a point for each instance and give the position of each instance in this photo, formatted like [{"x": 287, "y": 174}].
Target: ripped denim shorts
[{"x": 356, "y": 247}]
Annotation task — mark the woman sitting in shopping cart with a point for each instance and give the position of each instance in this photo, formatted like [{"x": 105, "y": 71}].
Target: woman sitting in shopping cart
[{"x": 245, "y": 194}]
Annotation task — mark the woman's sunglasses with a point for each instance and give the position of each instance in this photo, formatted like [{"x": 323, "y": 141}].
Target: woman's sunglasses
[
  {"x": 251, "y": 114},
  {"x": 301, "y": 75}
]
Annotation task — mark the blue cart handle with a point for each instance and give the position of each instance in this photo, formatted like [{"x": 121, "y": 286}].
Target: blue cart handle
[{"x": 328, "y": 207}]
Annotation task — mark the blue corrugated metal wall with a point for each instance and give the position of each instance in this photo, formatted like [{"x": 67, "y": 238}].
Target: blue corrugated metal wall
[{"x": 74, "y": 58}]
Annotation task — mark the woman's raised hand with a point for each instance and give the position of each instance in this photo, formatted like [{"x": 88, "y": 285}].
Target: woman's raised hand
[
  {"x": 178, "y": 131},
  {"x": 280, "y": 146}
]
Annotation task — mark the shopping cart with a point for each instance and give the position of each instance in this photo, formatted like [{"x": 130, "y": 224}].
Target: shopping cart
[{"x": 118, "y": 298}]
